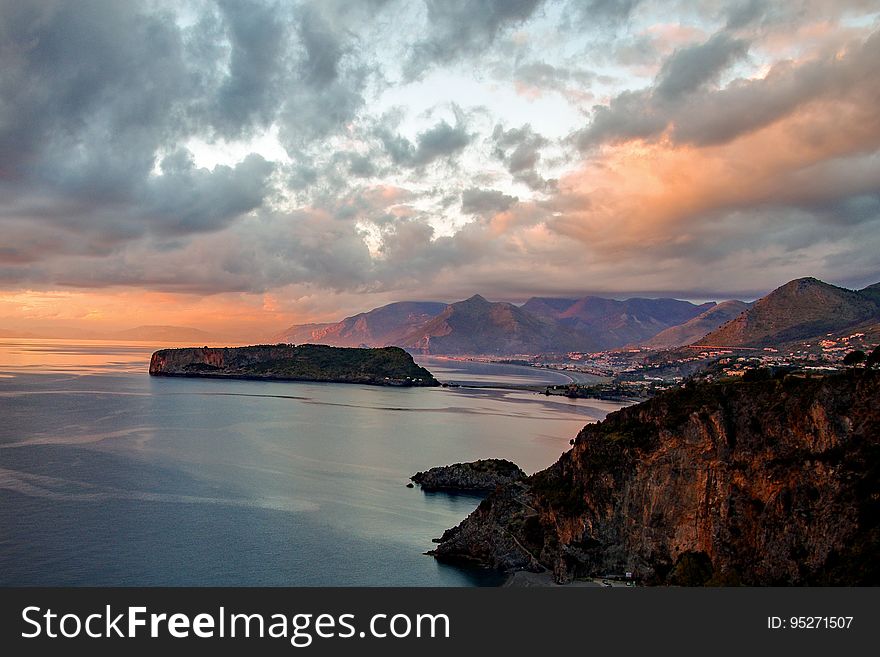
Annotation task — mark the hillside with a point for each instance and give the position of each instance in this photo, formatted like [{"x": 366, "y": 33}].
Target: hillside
[
  {"x": 761, "y": 483},
  {"x": 477, "y": 326},
  {"x": 799, "y": 310},
  {"x": 872, "y": 292},
  {"x": 696, "y": 328},
  {"x": 379, "y": 327},
  {"x": 385, "y": 366},
  {"x": 610, "y": 323}
]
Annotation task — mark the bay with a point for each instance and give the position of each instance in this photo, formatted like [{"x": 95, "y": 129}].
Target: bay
[{"x": 111, "y": 477}]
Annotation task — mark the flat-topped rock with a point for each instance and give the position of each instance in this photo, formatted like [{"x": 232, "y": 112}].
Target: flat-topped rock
[{"x": 390, "y": 366}]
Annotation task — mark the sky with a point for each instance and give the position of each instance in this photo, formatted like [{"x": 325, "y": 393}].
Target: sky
[{"x": 241, "y": 166}]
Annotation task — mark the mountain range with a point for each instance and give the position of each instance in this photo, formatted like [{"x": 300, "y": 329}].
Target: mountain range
[
  {"x": 479, "y": 326},
  {"x": 802, "y": 309},
  {"x": 380, "y": 327},
  {"x": 609, "y": 323}
]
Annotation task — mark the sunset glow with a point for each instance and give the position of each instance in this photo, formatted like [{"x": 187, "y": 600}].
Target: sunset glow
[{"x": 240, "y": 169}]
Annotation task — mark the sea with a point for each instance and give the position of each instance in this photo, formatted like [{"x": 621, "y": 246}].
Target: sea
[{"x": 110, "y": 477}]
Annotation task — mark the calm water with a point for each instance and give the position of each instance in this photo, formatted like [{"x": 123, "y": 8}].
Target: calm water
[{"x": 111, "y": 477}]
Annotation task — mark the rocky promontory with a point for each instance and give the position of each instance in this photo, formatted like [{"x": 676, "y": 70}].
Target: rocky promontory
[
  {"x": 772, "y": 482},
  {"x": 389, "y": 366},
  {"x": 484, "y": 475}
]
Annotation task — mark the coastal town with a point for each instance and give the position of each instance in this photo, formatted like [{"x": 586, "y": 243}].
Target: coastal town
[{"x": 640, "y": 373}]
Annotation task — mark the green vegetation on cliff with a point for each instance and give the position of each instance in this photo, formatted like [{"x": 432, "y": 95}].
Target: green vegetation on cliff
[{"x": 307, "y": 362}]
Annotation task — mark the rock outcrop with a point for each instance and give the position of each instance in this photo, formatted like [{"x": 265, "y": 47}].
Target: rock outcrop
[
  {"x": 308, "y": 362},
  {"x": 484, "y": 475},
  {"x": 762, "y": 483}
]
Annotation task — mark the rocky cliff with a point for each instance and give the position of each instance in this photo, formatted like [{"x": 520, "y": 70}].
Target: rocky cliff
[
  {"x": 307, "y": 362},
  {"x": 772, "y": 482}
]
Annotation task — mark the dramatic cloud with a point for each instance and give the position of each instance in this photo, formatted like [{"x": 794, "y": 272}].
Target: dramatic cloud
[
  {"x": 441, "y": 140},
  {"x": 710, "y": 116},
  {"x": 264, "y": 162},
  {"x": 520, "y": 150},
  {"x": 690, "y": 68},
  {"x": 485, "y": 201},
  {"x": 458, "y": 28}
]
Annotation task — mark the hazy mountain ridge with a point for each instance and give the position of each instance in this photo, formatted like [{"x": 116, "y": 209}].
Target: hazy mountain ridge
[
  {"x": 696, "y": 328},
  {"x": 799, "y": 310},
  {"x": 380, "y": 327},
  {"x": 478, "y": 326},
  {"x": 612, "y": 323},
  {"x": 143, "y": 333}
]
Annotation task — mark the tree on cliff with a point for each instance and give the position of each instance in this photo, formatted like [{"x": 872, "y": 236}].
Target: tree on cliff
[
  {"x": 874, "y": 358},
  {"x": 854, "y": 357}
]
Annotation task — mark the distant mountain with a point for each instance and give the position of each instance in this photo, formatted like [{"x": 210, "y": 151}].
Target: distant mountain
[
  {"x": 802, "y": 309},
  {"x": 696, "y": 328},
  {"x": 384, "y": 326},
  {"x": 13, "y": 333},
  {"x": 146, "y": 333},
  {"x": 609, "y": 323},
  {"x": 478, "y": 326},
  {"x": 161, "y": 333}
]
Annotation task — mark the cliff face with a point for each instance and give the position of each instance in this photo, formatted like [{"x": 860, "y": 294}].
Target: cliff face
[
  {"x": 774, "y": 482},
  {"x": 386, "y": 366}
]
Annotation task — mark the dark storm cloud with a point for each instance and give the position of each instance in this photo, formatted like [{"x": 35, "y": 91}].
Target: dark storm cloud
[
  {"x": 536, "y": 78},
  {"x": 87, "y": 89},
  {"x": 439, "y": 141},
  {"x": 711, "y": 116},
  {"x": 326, "y": 88},
  {"x": 690, "y": 68},
  {"x": 360, "y": 166},
  {"x": 485, "y": 202},
  {"x": 250, "y": 92},
  {"x": 587, "y": 13},
  {"x": 188, "y": 200},
  {"x": 745, "y": 12},
  {"x": 458, "y": 28},
  {"x": 520, "y": 151},
  {"x": 97, "y": 96}
]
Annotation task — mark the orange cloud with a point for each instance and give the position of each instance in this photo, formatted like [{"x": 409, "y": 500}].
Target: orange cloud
[{"x": 641, "y": 193}]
